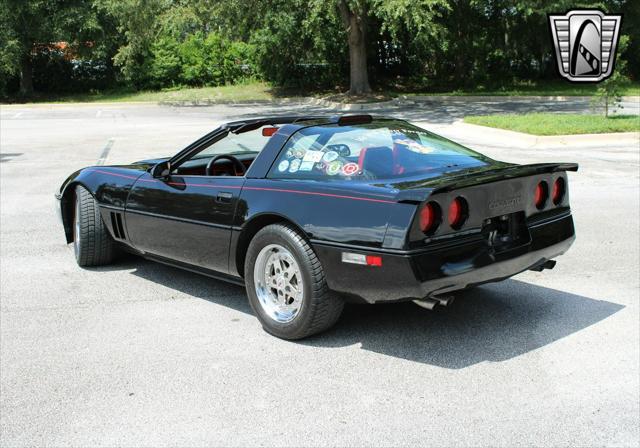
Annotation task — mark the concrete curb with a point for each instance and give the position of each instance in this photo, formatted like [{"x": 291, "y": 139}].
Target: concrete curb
[
  {"x": 353, "y": 106},
  {"x": 503, "y": 99},
  {"x": 484, "y": 135}
]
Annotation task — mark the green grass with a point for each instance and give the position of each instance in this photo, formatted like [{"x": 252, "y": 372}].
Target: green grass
[
  {"x": 255, "y": 91},
  {"x": 260, "y": 91},
  {"x": 533, "y": 89},
  {"x": 558, "y": 124}
]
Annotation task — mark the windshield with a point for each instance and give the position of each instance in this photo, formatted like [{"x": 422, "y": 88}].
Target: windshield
[
  {"x": 251, "y": 141},
  {"x": 383, "y": 149}
]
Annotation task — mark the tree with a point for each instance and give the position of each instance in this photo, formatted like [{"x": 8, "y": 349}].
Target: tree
[
  {"x": 354, "y": 19},
  {"x": 138, "y": 23},
  {"x": 609, "y": 93},
  {"x": 393, "y": 16},
  {"x": 26, "y": 23},
  {"x": 310, "y": 31}
]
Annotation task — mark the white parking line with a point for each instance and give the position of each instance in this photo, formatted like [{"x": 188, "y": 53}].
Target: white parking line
[
  {"x": 105, "y": 151},
  {"x": 18, "y": 115}
]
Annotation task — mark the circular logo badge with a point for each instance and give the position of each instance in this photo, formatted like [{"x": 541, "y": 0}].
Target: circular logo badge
[
  {"x": 295, "y": 165},
  {"x": 334, "y": 168},
  {"x": 350, "y": 169},
  {"x": 330, "y": 156},
  {"x": 282, "y": 166}
]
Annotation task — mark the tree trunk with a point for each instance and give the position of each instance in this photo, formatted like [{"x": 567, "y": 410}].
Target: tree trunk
[
  {"x": 355, "y": 25},
  {"x": 26, "y": 76}
]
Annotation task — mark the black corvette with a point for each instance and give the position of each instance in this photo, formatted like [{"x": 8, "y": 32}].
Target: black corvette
[{"x": 308, "y": 212}]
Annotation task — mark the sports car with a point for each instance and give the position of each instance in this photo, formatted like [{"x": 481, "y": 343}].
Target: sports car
[{"x": 309, "y": 212}]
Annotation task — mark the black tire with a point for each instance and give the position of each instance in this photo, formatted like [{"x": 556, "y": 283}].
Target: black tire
[
  {"x": 320, "y": 307},
  {"x": 92, "y": 243}
]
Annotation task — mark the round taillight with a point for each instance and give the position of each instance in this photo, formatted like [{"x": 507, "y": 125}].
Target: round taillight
[
  {"x": 429, "y": 217},
  {"x": 458, "y": 211},
  {"x": 540, "y": 195},
  {"x": 557, "y": 193}
]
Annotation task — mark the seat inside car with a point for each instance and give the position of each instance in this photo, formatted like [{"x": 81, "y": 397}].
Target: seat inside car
[{"x": 377, "y": 159}]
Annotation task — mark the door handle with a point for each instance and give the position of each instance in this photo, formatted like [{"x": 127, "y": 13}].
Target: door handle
[{"x": 224, "y": 197}]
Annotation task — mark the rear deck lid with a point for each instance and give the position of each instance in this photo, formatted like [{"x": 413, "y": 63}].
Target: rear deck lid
[{"x": 418, "y": 189}]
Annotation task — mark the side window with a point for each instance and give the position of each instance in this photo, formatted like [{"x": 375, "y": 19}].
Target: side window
[
  {"x": 252, "y": 141},
  {"x": 243, "y": 147},
  {"x": 325, "y": 152}
]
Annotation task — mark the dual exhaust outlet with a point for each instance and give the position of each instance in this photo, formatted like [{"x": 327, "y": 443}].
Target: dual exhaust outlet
[{"x": 431, "y": 302}]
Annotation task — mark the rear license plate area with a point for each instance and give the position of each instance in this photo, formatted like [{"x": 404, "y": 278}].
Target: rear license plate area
[{"x": 506, "y": 232}]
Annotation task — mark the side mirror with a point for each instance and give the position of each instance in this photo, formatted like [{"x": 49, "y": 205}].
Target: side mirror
[{"x": 161, "y": 170}]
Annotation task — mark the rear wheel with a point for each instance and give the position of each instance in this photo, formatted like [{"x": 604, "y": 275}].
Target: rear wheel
[
  {"x": 92, "y": 243},
  {"x": 286, "y": 285}
]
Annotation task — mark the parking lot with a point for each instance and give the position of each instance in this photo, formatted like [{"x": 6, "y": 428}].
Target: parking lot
[{"x": 140, "y": 354}]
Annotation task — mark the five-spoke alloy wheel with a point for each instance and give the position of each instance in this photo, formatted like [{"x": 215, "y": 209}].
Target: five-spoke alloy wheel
[
  {"x": 286, "y": 284},
  {"x": 278, "y": 283}
]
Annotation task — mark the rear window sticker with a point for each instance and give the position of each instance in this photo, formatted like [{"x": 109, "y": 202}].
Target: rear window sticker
[
  {"x": 350, "y": 169},
  {"x": 414, "y": 146},
  {"x": 295, "y": 165},
  {"x": 334, "y": 168},
  {"x": 330, "y": 156},
  {"x": 306, "y": 165},
  {"x": 283, "y": 166},
  {"x": 312, "y": 156}
]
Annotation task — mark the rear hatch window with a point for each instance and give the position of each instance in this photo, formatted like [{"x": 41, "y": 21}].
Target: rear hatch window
[{"x": 382, "y": 149}]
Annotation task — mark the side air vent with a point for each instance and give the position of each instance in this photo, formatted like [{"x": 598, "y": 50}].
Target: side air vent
[{"x": 116, "y": 225}]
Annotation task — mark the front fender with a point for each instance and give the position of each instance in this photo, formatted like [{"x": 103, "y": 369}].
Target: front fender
[{"x": 109, "y": 185}]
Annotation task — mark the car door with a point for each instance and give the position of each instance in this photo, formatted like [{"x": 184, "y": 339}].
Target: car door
[{"x": 184, "y": 218}]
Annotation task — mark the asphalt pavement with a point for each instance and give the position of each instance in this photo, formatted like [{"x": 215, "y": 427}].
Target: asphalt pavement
[{"x": 140, "y": 354}]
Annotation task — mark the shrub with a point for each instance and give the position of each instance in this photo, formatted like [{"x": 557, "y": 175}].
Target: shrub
[
  {"x": 166, "y": 66},
  {"x": 202, "y": 59},
  {"x": 238, "y": 62}
]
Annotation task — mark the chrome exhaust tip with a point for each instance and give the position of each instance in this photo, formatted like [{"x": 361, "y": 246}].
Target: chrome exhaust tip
[
  {"x": 431, "y": 302},
  {"x": 428, "y": 304}
]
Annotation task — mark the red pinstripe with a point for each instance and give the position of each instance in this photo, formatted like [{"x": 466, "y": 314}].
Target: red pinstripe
[{"x": 279, "y": 190}]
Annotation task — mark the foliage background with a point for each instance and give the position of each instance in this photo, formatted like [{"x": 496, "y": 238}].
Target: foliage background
[{"x": 293, "y": 44}]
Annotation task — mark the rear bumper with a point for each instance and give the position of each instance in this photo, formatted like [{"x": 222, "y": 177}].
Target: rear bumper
[{"x": 440, "y": 270}]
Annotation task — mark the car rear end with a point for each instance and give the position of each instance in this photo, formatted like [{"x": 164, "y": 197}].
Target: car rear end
[
  {"x": 483, "y": 227},
  {"x": 491, "y": 231}
]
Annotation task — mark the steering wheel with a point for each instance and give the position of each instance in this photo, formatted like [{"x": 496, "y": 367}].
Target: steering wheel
[{"x": 238, "y": 166}]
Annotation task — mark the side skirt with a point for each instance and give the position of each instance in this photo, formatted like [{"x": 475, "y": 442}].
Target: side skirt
[{"x": 198, "y": 270}]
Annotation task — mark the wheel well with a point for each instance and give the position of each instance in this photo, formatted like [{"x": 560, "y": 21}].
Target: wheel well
[
  {"x": 251, "y": 228},
  {"x": 67, "y": 210}
]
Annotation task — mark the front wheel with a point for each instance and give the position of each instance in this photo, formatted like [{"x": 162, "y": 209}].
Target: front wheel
[
  {"x": 92, "y": 243},
  {"x": 286, "y": 285}
]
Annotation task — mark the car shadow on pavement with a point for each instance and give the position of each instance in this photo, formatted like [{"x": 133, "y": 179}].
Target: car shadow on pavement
[
  {"x": 192, "y": 284},
  {"x": 494, "y": 322}
]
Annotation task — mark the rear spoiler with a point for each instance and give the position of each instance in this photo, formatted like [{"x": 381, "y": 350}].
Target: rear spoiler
[{"x": 443, "y": 184}]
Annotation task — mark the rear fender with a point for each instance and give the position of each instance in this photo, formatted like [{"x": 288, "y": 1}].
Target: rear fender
[{"x": 328, "y": 214}]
